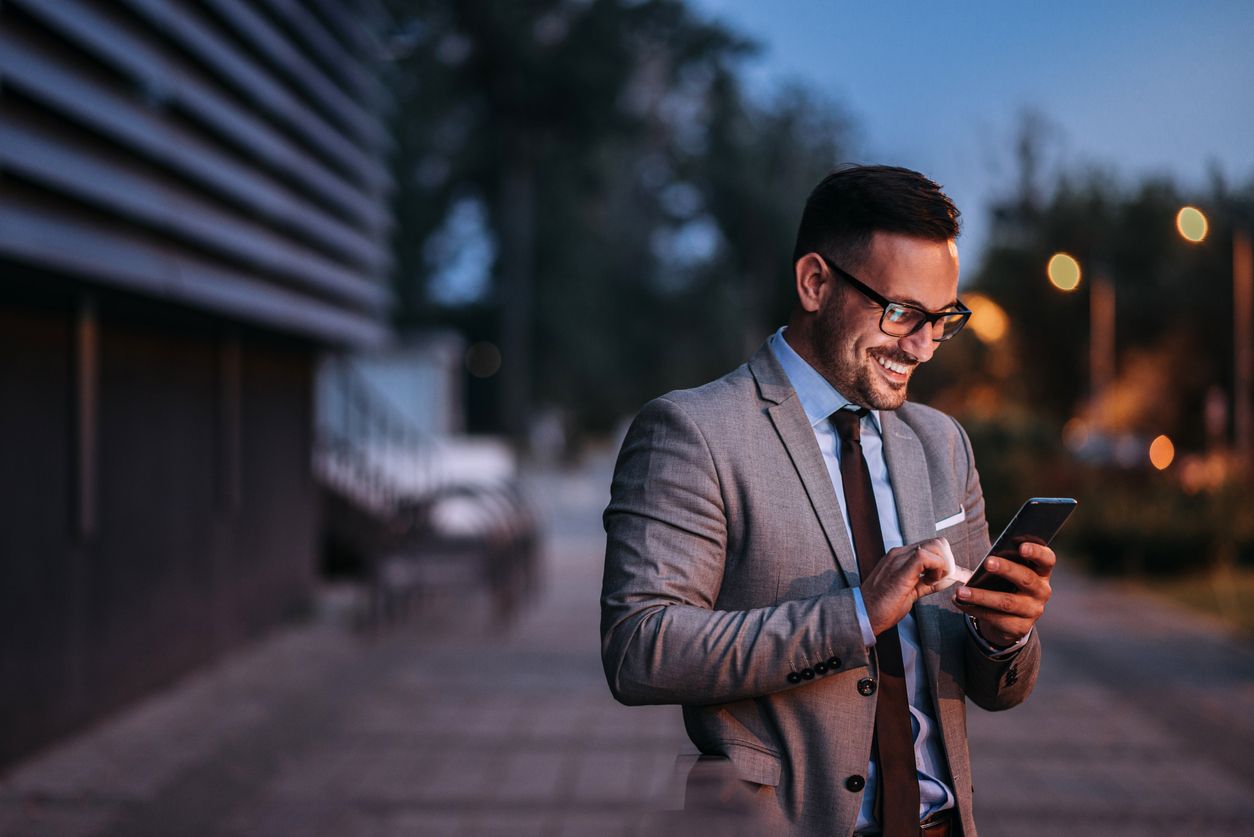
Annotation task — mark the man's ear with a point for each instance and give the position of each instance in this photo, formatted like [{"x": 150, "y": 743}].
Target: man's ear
[{"x": 814, "y": 282}]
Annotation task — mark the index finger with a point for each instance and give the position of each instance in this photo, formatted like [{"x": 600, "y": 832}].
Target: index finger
[
  {"x": 933, "y": 546},
  {"x": 924, "y": 558},
  {"x": 1041, "y": 559},
  {"x": 936, "y": 545}
]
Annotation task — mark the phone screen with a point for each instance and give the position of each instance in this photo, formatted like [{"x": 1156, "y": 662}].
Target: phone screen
[{"x": 1038, "y": 520}]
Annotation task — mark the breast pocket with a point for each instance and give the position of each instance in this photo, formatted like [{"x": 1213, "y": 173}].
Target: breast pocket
[
  {"x": 954, "y": 528},
  {"x": 952, "y": 520}
]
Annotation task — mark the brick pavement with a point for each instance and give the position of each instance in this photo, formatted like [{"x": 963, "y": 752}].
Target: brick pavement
[
  {"x": 444, "y": 727},
  {"x": 1143, "y": 723}
]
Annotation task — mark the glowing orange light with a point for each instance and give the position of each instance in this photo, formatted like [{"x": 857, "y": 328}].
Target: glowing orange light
[
  {"x": 1161, "y": 452},
  {"x": 1064, "y": 272},
  {"x": 1192, "y": 224},
  {"x": 988, "y": 319}
]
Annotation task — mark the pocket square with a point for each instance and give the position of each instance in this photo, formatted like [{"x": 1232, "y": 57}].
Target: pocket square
[
  {"x": 952, "y": 519},
  {"x": 954, "y": 574}
]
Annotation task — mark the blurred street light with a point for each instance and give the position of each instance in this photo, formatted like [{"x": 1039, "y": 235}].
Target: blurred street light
[
  {"x": 1192, "y": 224},
  {"x": 1161, "y": 452},
  {"x": 988, "y": 319},
  {"x": 1063, "y": 271}
]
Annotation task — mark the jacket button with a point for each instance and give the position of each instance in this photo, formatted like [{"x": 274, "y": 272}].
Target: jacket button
[
  {"x": 833, "y": 663},
  {"x": 794, "y": 677},
  {"x": 866, "y": 686},
  {"x": 807, "y": 673},
  {"x": 820, "y": 668},
  {"x": 855, "y": 783}
]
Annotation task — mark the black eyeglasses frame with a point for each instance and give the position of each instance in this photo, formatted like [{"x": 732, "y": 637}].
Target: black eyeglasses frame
[{"x": 929, "y": 318}]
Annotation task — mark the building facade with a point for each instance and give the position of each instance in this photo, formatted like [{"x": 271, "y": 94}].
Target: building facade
[{"x": 193, "y": 207}]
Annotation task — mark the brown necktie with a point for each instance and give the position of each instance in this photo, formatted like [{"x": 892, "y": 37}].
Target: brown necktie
[{"x": 897, "y": 805}]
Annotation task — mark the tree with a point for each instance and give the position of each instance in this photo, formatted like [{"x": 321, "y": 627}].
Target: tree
[
  {"x": 636, "y": 204},
  {"x": 1173, "y": 299}
]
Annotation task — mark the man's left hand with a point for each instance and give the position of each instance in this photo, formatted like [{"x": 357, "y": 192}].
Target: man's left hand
[{"x": 1005, "y": 618}]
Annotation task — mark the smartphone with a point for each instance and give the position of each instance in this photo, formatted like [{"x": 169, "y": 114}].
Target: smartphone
[{"x": 1037, "y": 521}]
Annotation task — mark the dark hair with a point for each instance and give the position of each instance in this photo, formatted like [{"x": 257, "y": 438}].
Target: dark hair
[{"x": 853, "y": 202}]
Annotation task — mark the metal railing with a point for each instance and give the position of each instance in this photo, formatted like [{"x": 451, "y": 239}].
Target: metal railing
[
  {"x": 436, "y": 522},
  {"x": 366, "y": 448}
]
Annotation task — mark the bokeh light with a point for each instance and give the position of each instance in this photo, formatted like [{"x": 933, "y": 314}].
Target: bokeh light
[
  {"x": 483, "y": 360},
  {"x": 1064, "y": 272},
  {"x": 1192, "y": 224},
  {"x": 1075, "y": 433},
  {"x": 988, "y": 319},
  {"x": 1161, "y": 452}
]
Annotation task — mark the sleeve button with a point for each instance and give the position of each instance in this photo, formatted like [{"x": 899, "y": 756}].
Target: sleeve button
[
  {"x": 807, "y": 673},
  {"x": 820, "y": 668},
  {"x": 794, "y": 677},
  {"x": 833, "y": 663}
]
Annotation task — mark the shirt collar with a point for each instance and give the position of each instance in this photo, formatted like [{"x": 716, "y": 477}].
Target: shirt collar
[{"x": 818, "y": 398}]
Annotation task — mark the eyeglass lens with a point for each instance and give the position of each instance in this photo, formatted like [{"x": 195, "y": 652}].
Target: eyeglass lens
[{"x": 900, "y": 321}]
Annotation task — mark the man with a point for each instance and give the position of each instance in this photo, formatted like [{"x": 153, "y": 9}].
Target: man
[{"x": 777, "y": 544}]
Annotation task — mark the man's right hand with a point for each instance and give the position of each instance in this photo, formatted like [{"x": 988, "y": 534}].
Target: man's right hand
[{"x": 899, "y": 579}]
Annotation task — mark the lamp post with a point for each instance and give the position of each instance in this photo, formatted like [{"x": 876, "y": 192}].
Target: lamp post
[
  {"x": 1101, "y": 341},
  {"x": 1193, "y": 226},
  {"x": 1243, "y": 334},
  {"x": 1064, "y": 273}
]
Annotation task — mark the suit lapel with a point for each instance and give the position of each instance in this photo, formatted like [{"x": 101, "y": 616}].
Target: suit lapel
[
  {"x": 912, "y": 488},
  {"x": 797, "y": 436},
  {"x": 907, "y": 469}
]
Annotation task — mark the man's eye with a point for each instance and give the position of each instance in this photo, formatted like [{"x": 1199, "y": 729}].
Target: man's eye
[{"x": 897, "y": 315}]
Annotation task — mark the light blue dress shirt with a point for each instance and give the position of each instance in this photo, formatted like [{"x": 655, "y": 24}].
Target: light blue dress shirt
[{"x": 820, "y": 399}]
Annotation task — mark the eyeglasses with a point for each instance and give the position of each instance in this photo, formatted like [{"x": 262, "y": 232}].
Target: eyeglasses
[{"x": 901, "y": 319}]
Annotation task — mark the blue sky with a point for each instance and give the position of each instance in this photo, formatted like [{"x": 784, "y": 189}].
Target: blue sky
[{"x": 1138, "y": 86}]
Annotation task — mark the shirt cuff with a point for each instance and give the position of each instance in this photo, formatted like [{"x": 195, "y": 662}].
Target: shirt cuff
[
  {"x": 864, "y": 621},
  {"x": 995, "y": 652}
]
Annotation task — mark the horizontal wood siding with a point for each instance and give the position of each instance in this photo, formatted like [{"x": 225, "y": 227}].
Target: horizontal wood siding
[{"x": 223, "y": 155}]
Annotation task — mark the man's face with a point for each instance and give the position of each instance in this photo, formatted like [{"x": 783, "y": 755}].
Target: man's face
[{"x": 867, "y": 366}]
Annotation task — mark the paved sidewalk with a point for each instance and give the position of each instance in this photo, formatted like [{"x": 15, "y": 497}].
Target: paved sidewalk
[
  {"x": 442, "y": 728},
  {"x": 1143, "y": 723}
]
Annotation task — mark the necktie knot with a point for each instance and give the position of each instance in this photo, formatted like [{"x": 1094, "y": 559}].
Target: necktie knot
[{"x": 849, "y": 423}]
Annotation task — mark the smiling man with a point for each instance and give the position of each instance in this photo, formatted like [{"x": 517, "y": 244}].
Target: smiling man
[{"x": 779, "y": 542}]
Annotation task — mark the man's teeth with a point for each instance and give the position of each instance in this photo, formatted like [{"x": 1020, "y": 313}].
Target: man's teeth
[{"x": 899, "y": 368}]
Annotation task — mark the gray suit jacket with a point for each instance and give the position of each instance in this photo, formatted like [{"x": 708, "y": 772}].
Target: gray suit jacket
[{"x": 728, "y": 566}]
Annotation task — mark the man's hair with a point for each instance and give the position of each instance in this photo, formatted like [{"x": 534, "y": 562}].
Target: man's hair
[{"x": 852, "y": 202}]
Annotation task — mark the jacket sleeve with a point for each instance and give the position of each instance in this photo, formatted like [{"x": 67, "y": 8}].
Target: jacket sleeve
[
  {"x": 662, "y": 638},
  {"x": 1002, "y": 682}
]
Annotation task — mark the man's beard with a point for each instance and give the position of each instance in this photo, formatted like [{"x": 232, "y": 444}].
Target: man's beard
[{"x": 856, "y": 378}]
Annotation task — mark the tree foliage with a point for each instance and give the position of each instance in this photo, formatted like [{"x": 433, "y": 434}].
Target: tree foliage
[
  {"x": 639, "y": 206},
  {"x": 1174, "y": 321}
]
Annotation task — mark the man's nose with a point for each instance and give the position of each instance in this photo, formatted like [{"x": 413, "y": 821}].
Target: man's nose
[{"x": 920, "y": 344}]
